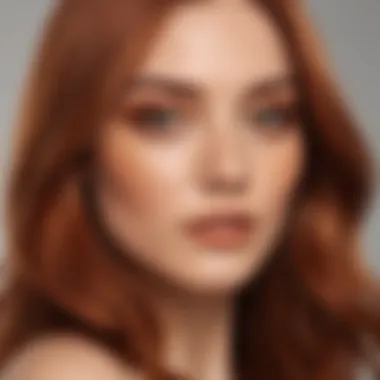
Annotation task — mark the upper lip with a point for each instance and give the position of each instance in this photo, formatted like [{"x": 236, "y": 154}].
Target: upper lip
[{"x": 240, "y": 219}]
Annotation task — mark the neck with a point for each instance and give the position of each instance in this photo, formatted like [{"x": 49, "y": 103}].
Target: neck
[{"x": 198, "y": 334}]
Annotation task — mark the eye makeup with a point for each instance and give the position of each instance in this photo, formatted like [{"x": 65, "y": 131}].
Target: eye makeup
[
  {"x": 273, "y": 113},
  {"x": 159, "y": 113},
  {"x": 155, "y": 115}
]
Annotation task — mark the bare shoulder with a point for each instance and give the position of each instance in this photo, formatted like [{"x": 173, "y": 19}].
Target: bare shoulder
[{"x": 67, "y": 356}]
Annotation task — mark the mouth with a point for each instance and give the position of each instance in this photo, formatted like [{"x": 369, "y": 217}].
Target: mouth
[{"x": 222, "y": 231}]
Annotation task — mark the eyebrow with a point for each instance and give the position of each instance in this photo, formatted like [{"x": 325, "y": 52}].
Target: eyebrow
[
  {"x": 189, "y": 89},
  {"x": 271, "y": 85}
]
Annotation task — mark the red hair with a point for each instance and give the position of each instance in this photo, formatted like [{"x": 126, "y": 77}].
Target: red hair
[{"x": 308, "y": 315}]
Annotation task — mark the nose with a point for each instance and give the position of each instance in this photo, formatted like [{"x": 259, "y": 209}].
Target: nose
[{"x": 224, "y": 162}]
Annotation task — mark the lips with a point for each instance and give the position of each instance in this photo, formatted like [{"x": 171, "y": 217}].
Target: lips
[{"x": 223, "y": 231}]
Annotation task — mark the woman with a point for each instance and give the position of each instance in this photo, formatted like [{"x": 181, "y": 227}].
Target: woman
[{"x": 186, "y": 200}]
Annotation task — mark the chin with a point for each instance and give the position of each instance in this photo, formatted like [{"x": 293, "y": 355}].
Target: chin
[{"x": 218, "y": 280}]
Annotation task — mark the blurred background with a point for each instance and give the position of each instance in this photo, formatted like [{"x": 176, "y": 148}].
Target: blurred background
[{"x": 350, "y": 30}]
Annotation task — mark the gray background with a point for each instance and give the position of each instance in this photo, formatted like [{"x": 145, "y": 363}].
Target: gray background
[{"x": 349, "y": 28}]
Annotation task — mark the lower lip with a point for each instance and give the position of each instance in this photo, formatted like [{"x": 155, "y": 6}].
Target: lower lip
[{"x": 222, "y": 237}]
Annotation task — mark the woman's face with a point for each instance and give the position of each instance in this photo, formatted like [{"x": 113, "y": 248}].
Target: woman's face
[{"x": 199, "y": 167}]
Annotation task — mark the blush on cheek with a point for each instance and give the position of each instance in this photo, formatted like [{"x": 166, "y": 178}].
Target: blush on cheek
[
  {"x": 127, "y": 173},
  {"x": 289, "y": 165},
  {"x": 131, "y": 185},
  {"x": 279, "y": 175}
]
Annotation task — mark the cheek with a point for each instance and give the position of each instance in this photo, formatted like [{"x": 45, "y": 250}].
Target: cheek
[
  {"x": 278, "y": 173},
  {"x": 141, "y": 176}
]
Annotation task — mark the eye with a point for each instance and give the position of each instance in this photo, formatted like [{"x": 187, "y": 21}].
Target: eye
[
  {"x": 157, "y": 118},
  {"x": 273, "y": 117}
]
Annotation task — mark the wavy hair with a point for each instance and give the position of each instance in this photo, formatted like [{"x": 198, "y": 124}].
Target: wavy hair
[{"x": 311, "y": 314}]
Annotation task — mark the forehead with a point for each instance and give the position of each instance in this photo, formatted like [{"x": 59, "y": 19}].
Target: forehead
[{"x": 218, "y": 43}]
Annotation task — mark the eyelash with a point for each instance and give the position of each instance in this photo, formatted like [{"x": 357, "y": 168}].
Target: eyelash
[
  {"x": 141, "y": 116},
  {"x": 286, "y": 115},
  {"x": 144, "y": 117}
]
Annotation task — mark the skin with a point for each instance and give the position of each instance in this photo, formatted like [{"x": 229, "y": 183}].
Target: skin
[
  {"x": 219, "y": 141},
  {"x": 213, "y": 149},
  {"x": 210, "y": 152}
]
